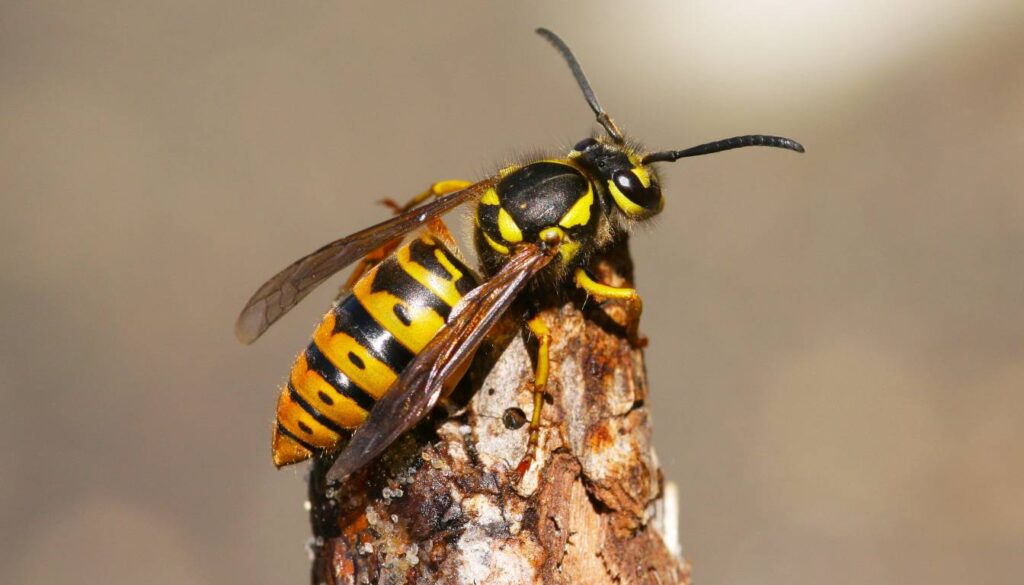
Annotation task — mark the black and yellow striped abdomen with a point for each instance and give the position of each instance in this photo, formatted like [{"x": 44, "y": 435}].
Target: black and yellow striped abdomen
[{"x": 363, "y": 344}]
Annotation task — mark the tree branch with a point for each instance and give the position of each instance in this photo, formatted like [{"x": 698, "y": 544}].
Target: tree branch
[{"x": 445, "y": 506}]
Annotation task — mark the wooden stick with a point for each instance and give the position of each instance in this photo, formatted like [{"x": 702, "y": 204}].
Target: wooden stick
[{"x": 445, "y": 505}]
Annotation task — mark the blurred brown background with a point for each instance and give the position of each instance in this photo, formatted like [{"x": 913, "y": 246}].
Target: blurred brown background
[{"x": 837, "y": 339}]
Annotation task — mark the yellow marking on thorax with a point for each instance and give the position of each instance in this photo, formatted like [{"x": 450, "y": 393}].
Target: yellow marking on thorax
[
  {"x": 495, "y": 245},
  {"x": 579, "y": 213},
  {"x": 562, "y": 161},
  {"x": 424, "y": 321},
  {"x": 309, "y": 384},
  {"x": 375, "y": 377},
  {"x": 442, "y": 287},
  {"x": 507, "y": 227},
  {"x": 568, "y": 250},
  {"x": 508, "y": 170},
  {"x": 490, "y": 197},
  {"x": 294, "y": 418}
]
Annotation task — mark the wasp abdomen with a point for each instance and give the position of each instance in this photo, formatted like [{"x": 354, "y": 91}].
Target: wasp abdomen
[{"x": 362, "y": 345}]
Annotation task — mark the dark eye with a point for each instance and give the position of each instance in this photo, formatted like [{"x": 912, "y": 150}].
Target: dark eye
[
  {"x": 627, "y": 182},
  {"x": 632, "y": 197},
  {"x": 584, "y": 144}
]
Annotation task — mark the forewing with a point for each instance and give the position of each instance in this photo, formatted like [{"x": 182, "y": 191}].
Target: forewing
[
  {"x": 282, "y": 292},
  {"x": 420, "y": 384}
]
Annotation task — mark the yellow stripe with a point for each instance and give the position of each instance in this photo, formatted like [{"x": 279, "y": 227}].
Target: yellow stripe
[
  {"x": 309, "y": 384},
  {"x": 290, "y": 415},
  {"x": 510, "y": 232},
  {"x": 425, "y": 322},
  {"x": 579, "y": 213},
  {"x": 497, "y": 247},
  {"x": 440, "y": 286},
  {"x": 375, "y": 376}
]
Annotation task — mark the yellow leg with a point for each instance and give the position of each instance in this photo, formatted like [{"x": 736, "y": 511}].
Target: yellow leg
[
  {"x": 436, "y": 190},
  {"x": 540, "y": 384},
  {"x": 376, "y": 256},
  {"x": 634, "y": 305}
]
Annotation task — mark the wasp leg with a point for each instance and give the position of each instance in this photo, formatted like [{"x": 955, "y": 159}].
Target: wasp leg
[
  {"x": 540, "y": 384},
  {"x": 377, "y": 256},
  {"x": 437, "y": 228},
  {"x": 634, "y": 305},
  {"x": 436, "y": 190}
]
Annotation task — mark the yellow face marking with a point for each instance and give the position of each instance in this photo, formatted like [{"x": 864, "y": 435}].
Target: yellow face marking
[
  {"x": 444, "y": 288},
  {"x": 642, "y": 174},
  {"x": 624, "y": 203},
  {"x": 579, "y": 213},
  {"x": 490, "y": 197},
  {"x": 510, "y": 232},
  {"x": 296, "y": 420},
  {"x": 494, "y": 245},
  {"x": 375, "y": 376},
  {"x": 424, "y": 323},
  {"x": 310, "y": 385}
]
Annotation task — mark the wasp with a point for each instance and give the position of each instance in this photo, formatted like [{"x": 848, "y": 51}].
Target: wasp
[{"x": 416, "y": 313}]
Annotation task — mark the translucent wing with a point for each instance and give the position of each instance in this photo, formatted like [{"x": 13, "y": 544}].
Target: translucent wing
[
  {"x": 282, "y": 292},
  {"x": 445, "y": 357}
]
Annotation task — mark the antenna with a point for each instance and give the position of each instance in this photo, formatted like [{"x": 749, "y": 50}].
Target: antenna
[
  {"x": 577, "y": 71},
  {"x": 726, "y": 144}
]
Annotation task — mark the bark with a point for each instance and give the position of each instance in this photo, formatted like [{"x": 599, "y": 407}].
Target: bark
[{"x": 444, "y": 505}]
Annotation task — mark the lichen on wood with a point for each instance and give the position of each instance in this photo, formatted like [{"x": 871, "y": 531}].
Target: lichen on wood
[{"x": 444, "y": 505}]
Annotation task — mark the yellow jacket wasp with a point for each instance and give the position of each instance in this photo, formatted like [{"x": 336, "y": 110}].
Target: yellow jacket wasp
[{"x": 385, "y": 353}]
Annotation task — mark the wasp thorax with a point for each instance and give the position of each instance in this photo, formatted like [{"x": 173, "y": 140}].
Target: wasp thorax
[{"x": 550, "y": 203}]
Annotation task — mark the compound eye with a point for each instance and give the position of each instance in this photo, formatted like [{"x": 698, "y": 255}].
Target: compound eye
[
  {"x": 632, "y": 196},
  {"x": 584, "y": 144}
]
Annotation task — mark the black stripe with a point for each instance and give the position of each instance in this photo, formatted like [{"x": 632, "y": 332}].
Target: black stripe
[
  {"x": 291, "y": 435},
  {"x": 488, "y": 218},
  {"x": 316, "y": 414},
  {"x": 393, "y": 279},
  {"x": 341, "y": 383},
  {"x": 352, "y": 318},
  {"x": 425, "y": 255}
]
